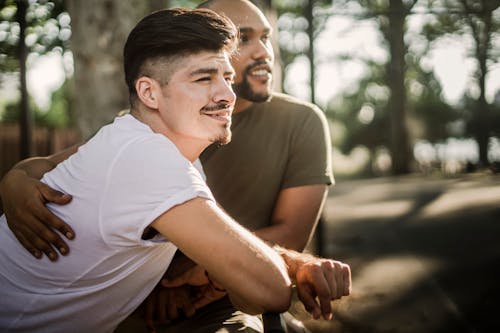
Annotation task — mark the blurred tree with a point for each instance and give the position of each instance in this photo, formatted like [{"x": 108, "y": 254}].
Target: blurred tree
[
  {"x": 100, "y": 29},
  {"x": 480, "y": 20},
  {"x": 56, "y": 117},
  {"x": 434, "y": 119},
  {"x": 391, "y": 17},
  {"x": 365, "y": 111},
  {"x": 29, "y": 27},
  {"x": 299, "y": 23}
]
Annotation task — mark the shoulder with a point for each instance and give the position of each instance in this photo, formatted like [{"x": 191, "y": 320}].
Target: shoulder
[
  {"x": 292, "y": 102},
  {"x": 296, "y": 110},
  {"x": 293, "y": 107}
]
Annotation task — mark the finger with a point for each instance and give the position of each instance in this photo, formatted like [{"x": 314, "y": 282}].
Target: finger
[
  {"x": 172, "y": 283},
  {"x": 201, "y": 302},
  {"x": 40, "y": 244},
  {"x": 48, "y": 234},
  {"x": 27, "y": 245},
  {"x": 323, "y": 292},
  {"x": 149, "y": 314},
  {"x": 172, "y": 309},
  {"x": 53, "y": 221},
  {"x": 54, "y": 196},
  {"x": 36, "y": 234},
  {"x": 50, "y": 219},
  {"x": 346, "y": 273},
  {"x": 206, "y": 297},
  {"x": 332, "y": 277},
  {"x": 307, "y": 297},
  {"x": 341, "y": 283},
  {"x": 188, "y": 307}
]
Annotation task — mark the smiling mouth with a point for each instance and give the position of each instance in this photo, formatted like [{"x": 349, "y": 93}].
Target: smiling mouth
[
  {"x": 221, "y": 115},
  {"x": 261, "y": 73}
]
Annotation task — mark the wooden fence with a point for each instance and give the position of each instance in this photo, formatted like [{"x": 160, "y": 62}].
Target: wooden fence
[{"x": 46, "y": 141}]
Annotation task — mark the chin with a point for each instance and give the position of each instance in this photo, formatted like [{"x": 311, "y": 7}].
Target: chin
[{"x": 223, "y": 139}]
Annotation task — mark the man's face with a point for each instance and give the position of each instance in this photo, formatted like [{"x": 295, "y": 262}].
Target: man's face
[
  {"x": 198, "y": 101},
  {"x": 254, "y": 59}
]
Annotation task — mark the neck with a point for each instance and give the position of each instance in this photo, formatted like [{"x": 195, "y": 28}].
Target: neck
[
  {"x": 241, "y": 104},
  {"x": 190, "y": 148}
]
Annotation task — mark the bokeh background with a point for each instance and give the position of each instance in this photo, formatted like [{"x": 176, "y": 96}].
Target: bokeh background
[{"x": 411, "y": 89}]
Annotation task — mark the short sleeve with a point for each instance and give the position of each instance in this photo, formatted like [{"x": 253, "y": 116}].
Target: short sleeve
[
  {"x": 147, "y": 178},
  {"x": 309, "y": 161}
]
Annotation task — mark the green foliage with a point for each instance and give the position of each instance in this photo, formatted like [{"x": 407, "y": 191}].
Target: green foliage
[
  {"x": 184, "y": 3},
  {"x": 365, "y": 112},
  {"x": 57, "y": 116},
  {"x": 434, "y": 115},
  {"x": 370, "y": 96},
  {"x": 48, "y": 27},
  {"x": 11, "y": 113},
  {"x": 293, "y": 24}
]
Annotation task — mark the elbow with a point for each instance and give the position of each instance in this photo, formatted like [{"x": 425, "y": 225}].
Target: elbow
[
  {"x": 274, "y": 296},
  {"x": 281, "y": 302},
  {"x": 278, "y": 296},
  {"x": 274, "y": 302}
]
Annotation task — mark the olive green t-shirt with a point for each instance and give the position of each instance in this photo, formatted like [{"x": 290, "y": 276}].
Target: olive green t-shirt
[{"x": 275, "y": 145}]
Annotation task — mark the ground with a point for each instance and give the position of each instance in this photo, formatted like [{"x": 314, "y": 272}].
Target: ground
[{"x": 424, "y": 252}]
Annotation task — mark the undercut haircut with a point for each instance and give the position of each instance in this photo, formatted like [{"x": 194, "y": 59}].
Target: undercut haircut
[{"x": 164, "y": 36}]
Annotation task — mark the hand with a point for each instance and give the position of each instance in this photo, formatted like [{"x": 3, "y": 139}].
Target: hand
[
  {"x": 207, "y": 291},
  {"x": 164, "y": 304},
  {"x": 324, "y": 280},
  {"x": 24, "y": 200}
]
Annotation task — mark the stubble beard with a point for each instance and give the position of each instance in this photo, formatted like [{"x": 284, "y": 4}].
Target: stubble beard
[
  {"x": 244, "y": 90},
  {"x": 223, "y": 139}
]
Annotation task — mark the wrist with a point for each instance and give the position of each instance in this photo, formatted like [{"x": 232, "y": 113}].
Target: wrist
[{"x": 294, "y": 260}]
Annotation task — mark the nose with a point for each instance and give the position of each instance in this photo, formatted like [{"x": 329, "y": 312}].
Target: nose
[
  {"x": 223, "y": 92},
  {"x": 262, "y": 50}
]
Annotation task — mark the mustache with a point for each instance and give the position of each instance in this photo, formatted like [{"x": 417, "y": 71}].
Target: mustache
[
  {"x": 255, "y": 64},
  {"x": 216, "y": 107}
]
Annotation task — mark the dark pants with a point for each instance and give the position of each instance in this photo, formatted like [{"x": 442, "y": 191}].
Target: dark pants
[{"x": 217, "y": 317}]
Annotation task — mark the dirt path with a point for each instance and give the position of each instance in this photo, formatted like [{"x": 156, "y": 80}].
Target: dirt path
[{"x": 425, "y": 254}]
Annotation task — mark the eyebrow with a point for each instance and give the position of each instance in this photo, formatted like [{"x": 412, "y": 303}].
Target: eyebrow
[
  {"x": 204, "y": 71},
  {"x": 249, "y": 29},
  {"x": 210, "y": 71}
]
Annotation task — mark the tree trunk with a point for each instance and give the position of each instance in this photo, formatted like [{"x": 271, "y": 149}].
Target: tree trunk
[
  {"x": 400, "y": 148},
  {"x": 99, "y": 31},
  {"x": 482, "y": 40},
  {"x": 26, "y": 118},
  {"x": 310, "y": 52}
]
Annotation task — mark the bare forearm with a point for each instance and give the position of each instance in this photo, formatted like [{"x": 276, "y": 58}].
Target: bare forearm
[
  {"x": 36, "y": 167},
  {"x": 295, "y": 216},
  {"x": 246, "y": 267},
  {"x": 283, "y": 235}
]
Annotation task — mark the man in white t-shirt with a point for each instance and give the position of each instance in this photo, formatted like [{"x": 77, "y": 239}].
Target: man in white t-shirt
[{"x": 137, "y": 173}]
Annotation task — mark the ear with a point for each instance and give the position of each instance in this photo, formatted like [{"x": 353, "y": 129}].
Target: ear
[{"x": 147, "y": 90}]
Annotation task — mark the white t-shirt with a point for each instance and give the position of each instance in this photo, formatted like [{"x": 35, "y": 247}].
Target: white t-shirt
[{"x": 121, "y": 180}]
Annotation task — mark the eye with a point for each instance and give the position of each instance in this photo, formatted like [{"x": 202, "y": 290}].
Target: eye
[
  {"x": 265, "y": 38},
  {"x": 229, "y": 79},
  {"x": 244, "y": 38},
  {"x": 204, "y": 79}
]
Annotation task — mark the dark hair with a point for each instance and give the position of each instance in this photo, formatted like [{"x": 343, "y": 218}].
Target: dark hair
[{"x": 175, "y": 32}]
